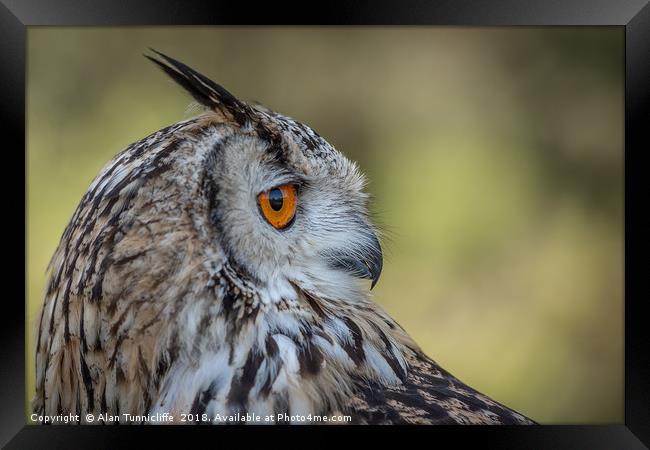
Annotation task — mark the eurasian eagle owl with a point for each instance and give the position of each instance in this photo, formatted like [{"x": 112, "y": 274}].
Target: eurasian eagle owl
[{"x": 223, "y": 265}]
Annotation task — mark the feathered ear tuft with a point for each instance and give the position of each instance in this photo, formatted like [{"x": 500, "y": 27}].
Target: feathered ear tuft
[{"x": 205, "y": 91}]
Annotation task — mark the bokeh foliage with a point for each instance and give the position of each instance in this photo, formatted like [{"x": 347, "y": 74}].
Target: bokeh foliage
[{"x": 495, "y": 157}]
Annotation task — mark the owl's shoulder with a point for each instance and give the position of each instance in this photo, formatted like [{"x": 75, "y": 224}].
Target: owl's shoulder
[{"x": 430, "y": 395}]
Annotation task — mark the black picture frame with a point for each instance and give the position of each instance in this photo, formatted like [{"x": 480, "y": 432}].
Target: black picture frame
[{"x": 633, "y": 15}]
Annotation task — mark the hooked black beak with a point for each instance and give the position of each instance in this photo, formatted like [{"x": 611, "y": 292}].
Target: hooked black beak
[{"x": 364, "y": 261}]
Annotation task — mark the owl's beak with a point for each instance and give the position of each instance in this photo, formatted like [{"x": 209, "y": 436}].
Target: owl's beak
[{"x": 365, "y": 262}]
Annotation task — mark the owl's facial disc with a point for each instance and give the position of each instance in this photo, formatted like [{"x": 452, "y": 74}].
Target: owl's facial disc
[
  {"x": 295, "y": 220},
  {"x": 278, "y": 206}
]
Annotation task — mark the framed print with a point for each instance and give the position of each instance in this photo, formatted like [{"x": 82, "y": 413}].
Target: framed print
[{"x": 416, "y": 215}]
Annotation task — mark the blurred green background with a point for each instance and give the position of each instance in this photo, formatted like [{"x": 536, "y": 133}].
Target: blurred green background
[{"x": 495, "y": 156}]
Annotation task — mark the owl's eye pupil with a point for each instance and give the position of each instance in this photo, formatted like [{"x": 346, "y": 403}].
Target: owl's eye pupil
[{"x": 276, "y": 199}]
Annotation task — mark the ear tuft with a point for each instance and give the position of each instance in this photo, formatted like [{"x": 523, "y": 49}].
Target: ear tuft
[{"x": 205, "y": 91}]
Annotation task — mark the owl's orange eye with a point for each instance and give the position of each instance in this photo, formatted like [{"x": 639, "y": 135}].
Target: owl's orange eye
[{"x": 278, "y": 205}]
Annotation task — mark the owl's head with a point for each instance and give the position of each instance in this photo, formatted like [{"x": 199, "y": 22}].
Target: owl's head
[{"x": 284, "y": 207}]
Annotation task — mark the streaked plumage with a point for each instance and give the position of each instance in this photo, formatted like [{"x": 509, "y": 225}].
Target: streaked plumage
[{"x": 170, "y": 293}]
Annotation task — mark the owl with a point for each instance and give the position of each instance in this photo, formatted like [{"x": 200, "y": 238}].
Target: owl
[{"x": 221, "y": 269}]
